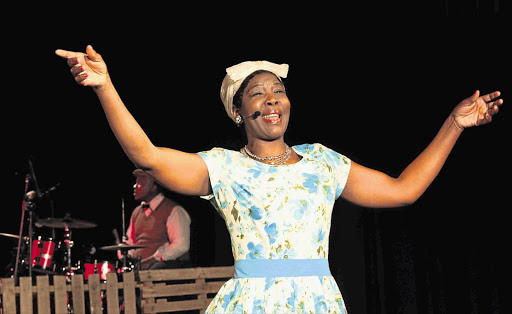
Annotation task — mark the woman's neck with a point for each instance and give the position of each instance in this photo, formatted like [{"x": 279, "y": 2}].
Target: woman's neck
[{"x": 263, "y": 148}]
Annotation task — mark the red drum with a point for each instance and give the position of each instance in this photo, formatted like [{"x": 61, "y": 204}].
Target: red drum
[
  {"x": 42, "y": 252},
  {"x": 102, "y": 268}
]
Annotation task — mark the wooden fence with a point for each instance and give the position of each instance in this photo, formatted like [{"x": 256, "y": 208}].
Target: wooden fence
[{"x": 148, "y": 291}]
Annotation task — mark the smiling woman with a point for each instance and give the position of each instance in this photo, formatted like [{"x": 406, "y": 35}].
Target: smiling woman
[
  {"x": 263, "y": 94},
  {"x": 276, "y": 200}
]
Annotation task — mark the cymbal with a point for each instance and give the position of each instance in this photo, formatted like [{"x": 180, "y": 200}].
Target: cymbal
[
  {"x": 72, "y": 223},
  {"x": 121, "y": 247}
]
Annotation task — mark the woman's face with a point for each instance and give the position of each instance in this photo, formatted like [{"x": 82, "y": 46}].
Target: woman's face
[{"x": 265, "y": 93}]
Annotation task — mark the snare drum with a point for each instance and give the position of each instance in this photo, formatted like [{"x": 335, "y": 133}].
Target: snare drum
[
  {"x": 102, "y": 268},
  {"x": 42, "y": 253}
]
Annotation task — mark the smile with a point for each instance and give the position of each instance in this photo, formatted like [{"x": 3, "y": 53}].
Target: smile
[{"x": 273, "y": 118}]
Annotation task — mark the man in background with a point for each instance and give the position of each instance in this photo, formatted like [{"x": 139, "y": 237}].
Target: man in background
[{"x": 159, "y": 224}]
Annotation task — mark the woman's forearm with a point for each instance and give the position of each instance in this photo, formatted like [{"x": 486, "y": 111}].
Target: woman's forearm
[
  {"x": 131, "y": 136},
  {"x": 418, "y": 176},
  {"x": 372, "y": 188},
  {"x": 175, "y": 170}
]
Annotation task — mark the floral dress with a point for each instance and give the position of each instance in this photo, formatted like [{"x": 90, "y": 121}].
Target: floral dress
[{"x": 277, "y": 215}]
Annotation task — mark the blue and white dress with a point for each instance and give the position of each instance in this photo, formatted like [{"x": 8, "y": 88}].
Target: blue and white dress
[{"x": 279, "y": 219}]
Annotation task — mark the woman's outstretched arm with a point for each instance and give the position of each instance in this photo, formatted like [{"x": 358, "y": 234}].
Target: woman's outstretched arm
[
  {"x": 371, "y": 188},
  {"x": 176, "y": 170}
]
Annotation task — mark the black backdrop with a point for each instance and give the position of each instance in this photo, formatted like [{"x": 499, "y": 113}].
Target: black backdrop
[{"x": 374, "y": 83}]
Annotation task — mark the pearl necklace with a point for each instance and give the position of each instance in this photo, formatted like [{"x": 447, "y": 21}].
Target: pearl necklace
[{"x": 272, "y": 160}]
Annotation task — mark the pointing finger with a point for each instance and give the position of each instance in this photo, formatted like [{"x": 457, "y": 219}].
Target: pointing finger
[
  {"x": 73, "y": 57},
  {"x": 491, "y": 96},
  {"x": 66, "y": 54}
]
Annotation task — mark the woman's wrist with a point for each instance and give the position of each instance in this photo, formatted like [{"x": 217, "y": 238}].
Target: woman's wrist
[
  {"x": 104, "y": 86},
  {"x": 455, "y": 123}
]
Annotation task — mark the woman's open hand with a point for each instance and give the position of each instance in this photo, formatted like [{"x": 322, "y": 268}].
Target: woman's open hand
[
  {"x": 88, "y": 68},
  {"x": 476, "y": 110}
]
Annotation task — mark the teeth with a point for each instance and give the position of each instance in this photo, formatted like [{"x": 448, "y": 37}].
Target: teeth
[{"x": 270, "y": 116}]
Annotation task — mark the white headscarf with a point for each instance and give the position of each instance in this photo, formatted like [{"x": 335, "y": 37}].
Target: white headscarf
[{"x": 236, "y": 74}]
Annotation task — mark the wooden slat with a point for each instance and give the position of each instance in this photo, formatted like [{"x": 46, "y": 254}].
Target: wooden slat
[
  {"x": 202, "y": 296},
  {"x": 8, "y": 295},
  {"x": 93, "y": 282},
  {"x": 112, "y": 294},
  {"x": 60, "y": 294},
  {"x": 26, "y": 303},
  {"x": 43, "y": 295},
  {"x": 146, "y": 301},
  {"x": 77, "y": 289},
  {"x": 129, "y": 296},
  {"x": 152, "y": 291},
  {"x": 219, "y": 272},
  {"x": 169, "y": 274},
  {"x": 186, "y": 273},
  {"x": 175, "y": 306}
]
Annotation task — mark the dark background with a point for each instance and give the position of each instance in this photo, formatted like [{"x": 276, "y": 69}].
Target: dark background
[{"x": 374, "y": 82}]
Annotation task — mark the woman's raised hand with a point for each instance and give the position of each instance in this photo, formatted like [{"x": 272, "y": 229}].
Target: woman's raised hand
[
  {"x": 88, "y": 68},
  {"x": 476, "y": 110}
]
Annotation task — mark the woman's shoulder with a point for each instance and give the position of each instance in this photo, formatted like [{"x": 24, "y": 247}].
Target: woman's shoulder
[
  {"x": 317, "y": 151},
  {"x": 217, "y": 151},
  {"x": 312, "y": 149},
  {"x": 218, "y": 154}
]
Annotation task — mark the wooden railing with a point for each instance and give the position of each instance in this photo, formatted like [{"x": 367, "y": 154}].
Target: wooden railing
[
  {"x": 181, "y": 290},
  {"x": 153, "y": 291}
]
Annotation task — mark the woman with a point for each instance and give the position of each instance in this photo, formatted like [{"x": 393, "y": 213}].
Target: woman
[{"x": 276, "y": 200}]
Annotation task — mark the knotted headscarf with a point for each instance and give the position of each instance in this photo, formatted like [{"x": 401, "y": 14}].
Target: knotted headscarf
[{"x": 236, "y": 74}]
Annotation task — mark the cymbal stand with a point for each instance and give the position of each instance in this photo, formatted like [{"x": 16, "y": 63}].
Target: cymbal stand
[
  {"x": 124, "y": 237},
  {"x": 29, "y": 205},
  {"x": 69, "y": 245}
]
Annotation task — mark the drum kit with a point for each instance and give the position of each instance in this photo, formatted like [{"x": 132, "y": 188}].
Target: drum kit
[{"x": 45, "y": 255}]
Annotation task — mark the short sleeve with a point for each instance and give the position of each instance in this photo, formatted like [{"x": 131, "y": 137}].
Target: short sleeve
[
  {"x": 215, "y": 160},
  {"x": 341, "y": 166}
]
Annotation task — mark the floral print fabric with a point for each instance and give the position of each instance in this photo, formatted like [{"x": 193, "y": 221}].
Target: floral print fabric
[{"x": 278, "y": 212}]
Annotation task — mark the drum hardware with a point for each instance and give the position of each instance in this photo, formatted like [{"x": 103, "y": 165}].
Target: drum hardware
[
  {"x": 9, "y": 235},
  {"x": 28, "y": 205},
  {"x": 45, "y": 255},
  {"x": 42, "y": 253},
  {"x": 102, "y": 268},
  {"x": 123, "y": 247},
  {"x": 127, "y": 265},
  {"x": 65, "y": 222}
]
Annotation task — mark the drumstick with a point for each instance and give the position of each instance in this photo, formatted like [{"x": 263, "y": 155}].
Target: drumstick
[
  {"x": 116, "y": 235},
  {"x": 147, "y": 259}
]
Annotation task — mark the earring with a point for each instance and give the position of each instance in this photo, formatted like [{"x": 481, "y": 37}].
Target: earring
[{"x": 239, "y": 120}]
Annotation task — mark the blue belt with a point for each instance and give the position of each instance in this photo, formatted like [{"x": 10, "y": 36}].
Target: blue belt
[{"x": 261, "y": 268}]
